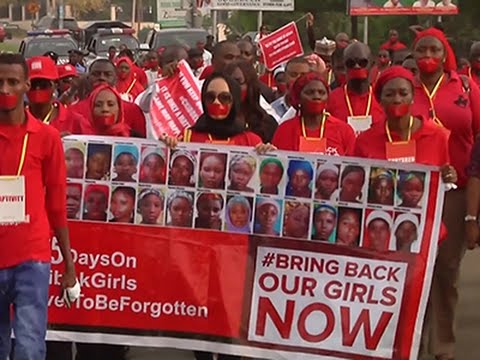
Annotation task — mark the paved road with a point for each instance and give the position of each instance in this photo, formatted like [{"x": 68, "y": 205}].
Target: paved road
[{"x": 468, "y": 319}]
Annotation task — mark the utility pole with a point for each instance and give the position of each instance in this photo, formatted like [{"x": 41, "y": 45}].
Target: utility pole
[
  {"x": 134, "y": 13},
  {"x": 61, "y": 13}
]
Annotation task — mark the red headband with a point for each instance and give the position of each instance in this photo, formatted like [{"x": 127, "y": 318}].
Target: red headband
[{"x": 450, "y": 61}]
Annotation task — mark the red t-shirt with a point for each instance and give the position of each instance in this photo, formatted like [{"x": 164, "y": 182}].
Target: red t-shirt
[
  {"x": 471, "y": 74},
  {"x": 65, "y": 118},
  {"x": 141, "y": 76},
  {"x": 337, "y": 105},
  {"x": 246, "y": 138},
  {"x": 45, "y": 190},
  {"x": 340, "y": 136},
  {"x": 459, "y": 112},
  {"x": 431, "y": 143},
  {"x": 133, "y": 115},
  {"x": 393, "y": 47}
]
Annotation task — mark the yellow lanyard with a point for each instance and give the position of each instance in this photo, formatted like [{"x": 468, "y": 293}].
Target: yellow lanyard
[
  {"x": 431, "y": 97},
  {"x": 131, "y": 86},
  {"x": 322, "y": 127},
  {"x": 210, "y": 138},
  {"x": 349, "y": 104},
  {"x": 389, "y": 136},
  {"x": 470, "y": 73},
  {"x": 23, "y": 154},
  {"x": 46, "y": 119},
  {"x": 329, "y": 77}
]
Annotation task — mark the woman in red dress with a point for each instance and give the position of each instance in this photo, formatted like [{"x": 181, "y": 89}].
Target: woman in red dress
[{"x": 128, "y": 85}]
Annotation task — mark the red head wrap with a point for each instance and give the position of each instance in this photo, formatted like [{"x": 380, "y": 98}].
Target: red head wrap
[
  {"x": 300, "y": 83},
  {"x": 103, "y": 189},
  {"x": 450, "y": 61},
  {"x": 389, "y": 74}
]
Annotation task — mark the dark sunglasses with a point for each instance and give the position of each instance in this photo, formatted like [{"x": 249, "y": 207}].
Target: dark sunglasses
[
  {"x": 350, "y": 63},
  {"x": 225, "y": 98},
  {"x": 41, "y": 84}
]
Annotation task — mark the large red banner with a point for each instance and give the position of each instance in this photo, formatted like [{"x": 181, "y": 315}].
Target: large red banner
[
  {"x": 292, "y": 294},
  {"x": 176, "y": 104}
]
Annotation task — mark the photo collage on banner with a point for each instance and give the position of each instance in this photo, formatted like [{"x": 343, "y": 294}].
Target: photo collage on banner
[{"x": 203, "y": 186}]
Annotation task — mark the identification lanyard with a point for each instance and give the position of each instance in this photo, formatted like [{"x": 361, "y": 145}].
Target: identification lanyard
[
  {"x": 313, "y": 144},
  {"x": 329, "y": 77},
  {"x": 431, "y": 98},
  {"x": 131, "y": 86},
  {"x": 349, "y": 104},
  {"x": 218, "y": 142},
  {"x": 401, "y": 151},
  {"x": 47, "y": 118}
]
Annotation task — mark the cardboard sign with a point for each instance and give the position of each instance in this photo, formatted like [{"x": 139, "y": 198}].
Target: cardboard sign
[
  {"x": 281, "y": 46},
  {"x": 176, "y": 104},
  {"x": 402, "y": 151},
  {"x": 12, "y": 199}
]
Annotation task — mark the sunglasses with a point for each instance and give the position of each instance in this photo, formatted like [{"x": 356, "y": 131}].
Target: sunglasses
[
  {"x": 225, "y": 98},
  {"x": 351, "y": 63}
]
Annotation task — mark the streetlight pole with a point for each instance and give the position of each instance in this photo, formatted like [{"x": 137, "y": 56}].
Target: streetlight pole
[{"x": 61, "y": 13}]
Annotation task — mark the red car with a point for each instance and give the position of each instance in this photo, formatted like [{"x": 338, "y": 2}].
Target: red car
[{"x": 3, "y": 33}]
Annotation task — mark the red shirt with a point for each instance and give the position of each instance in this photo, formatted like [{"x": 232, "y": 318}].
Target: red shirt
[
  {"x": 133, "y": 115},
  {"x": 340, "y": 136},
  {"x": 45, "y": 190},
  {"x": 393, "y": 46},
  {"x": 64, "y": 119},
  {"x": 246, "y": 138},
  {"x": 337, "y": 105},
  {"x": 471, "y": 74},
  {"x": 431, "y": 143},
  {"x": 459, "y": 112},
  {"x": 140, "y": 75}
]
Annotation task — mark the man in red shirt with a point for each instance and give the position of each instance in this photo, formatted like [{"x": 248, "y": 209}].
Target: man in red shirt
[
  {"x": 33, "y": 161},
  {"x": 473, "y": 71},
  {"x": 42, "y": 75},
  {"x": 102, "y": 71},
  {"x": 354, "y": 102},
  {"x": 393, "y": 44}
]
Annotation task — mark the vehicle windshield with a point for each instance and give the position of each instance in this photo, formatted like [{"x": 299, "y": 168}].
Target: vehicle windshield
[
  {"x": 104, "y": 42},
  {"x": 189, "y": 38},
  {"x": 40, "y": 46},
  {"x": 44, "y": 22}
]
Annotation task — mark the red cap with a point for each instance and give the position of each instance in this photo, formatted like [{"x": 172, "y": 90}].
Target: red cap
[
  {"x": 66, "y": 70},
  {"x": 42, "y": 67}
]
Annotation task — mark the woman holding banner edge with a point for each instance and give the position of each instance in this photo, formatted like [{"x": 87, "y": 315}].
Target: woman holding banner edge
[{"x": 221, "y": 102}]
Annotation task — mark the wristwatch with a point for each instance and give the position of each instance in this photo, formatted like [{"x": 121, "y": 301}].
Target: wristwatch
[{"x": 470, "y": 218}]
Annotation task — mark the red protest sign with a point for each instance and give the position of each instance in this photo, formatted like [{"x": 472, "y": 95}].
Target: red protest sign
[
  {"x": 281, "y": 46},
  {"x": 176, "y": 103}
]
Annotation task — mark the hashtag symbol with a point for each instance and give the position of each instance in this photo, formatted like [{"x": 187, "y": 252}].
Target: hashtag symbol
[{"x": 268, "y": 259}]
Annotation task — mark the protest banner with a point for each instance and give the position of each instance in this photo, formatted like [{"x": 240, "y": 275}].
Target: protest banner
[
  {"x": 402, "y": 7},
  {"x": 281, "y": 46},
  {"x": 254, "y": 5},
  {"x": 258, "y": 265},
  {"x": 176, "y": 103}
]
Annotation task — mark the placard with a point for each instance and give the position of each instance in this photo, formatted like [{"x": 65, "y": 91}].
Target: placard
[
  {"x": 216, "y": 248},
  {"x": 281, "y": 46},
  {"x": 176, "y": 104},
  {"x": 403, "y": 7}
]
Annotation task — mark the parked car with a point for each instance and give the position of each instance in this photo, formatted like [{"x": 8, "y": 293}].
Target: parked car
[
  {"x": 93, "y": 27},
  {"x": 37, "y": 43},
  {"x": 3, "y": 34},
  {"x": 9, "y": 28},
  {"x": 51, "y": 23},
  {"x": 186, "y": 37},
  {"x": 99, "y": 43}
]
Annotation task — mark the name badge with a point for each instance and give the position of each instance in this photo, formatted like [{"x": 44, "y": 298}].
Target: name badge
[
  {"x": 12, "y": 200},
  {"x": 402, "y": 151},
  {"x": 360, "y": 123},
  {"x": 313, "y": 145}
]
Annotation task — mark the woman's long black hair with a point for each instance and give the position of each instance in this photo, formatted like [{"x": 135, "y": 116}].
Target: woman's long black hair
[
  {"x": 230, "y": 126},
  {"x": 255, "y": 116}
]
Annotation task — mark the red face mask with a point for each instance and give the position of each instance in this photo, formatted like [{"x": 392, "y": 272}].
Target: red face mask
[
  {"x": 384, "y": 61},
  {"x": 65, "y": 87},
  {"x": 243, "y": 95},
  {"x": 313, "y": 107},
  {"x": 358, "y": 74},
  {"x": 39, "y": 96},
  {"x": 397, "y": 110},
  {"x": 151, "y": 64},
  {"x": 476, "y": 65},
  {"x": 8, "y": 101},
  {"x": 122, "y": 75},
  {"x": 219, "y": 111},
  {"x": 105, "y": 121},
  {"x": 428, "y": 65}
]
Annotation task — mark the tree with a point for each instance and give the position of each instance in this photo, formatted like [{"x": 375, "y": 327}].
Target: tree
[{"x": 86, "y": 6}]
